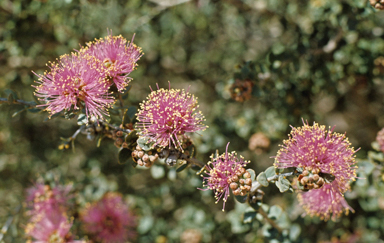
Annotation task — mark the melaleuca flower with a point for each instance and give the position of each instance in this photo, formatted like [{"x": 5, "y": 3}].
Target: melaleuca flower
[
  {"x": 326, "y": 202},
  {"x": 320, "y": 152},
  {"x": 168, "y": 114},
  {"x": 43, "y": 197},
  {"x": 50, "y": 226},
  {"x": 115, "y": 56},
  {"x": 227, "y": 172},
  {"x": 380, "y": 139},
  {"x": 73, "y": 84},
  {"x": 109, "y": 220}
]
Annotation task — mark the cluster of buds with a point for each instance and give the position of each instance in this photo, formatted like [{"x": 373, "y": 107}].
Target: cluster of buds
[
  {"x": 241, "y": 90},
  {"x": 241, "y": 182},
  {"x": 310, "y": 179},
  {"x": 144, "y": 158},
  {"x": 378, "y": 4}
]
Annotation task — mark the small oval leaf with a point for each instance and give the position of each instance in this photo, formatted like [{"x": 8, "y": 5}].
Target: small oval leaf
[
  {"x": 253, "y": 174},
  {"x": 262, "y": 179},
  {"x": 270, "y": 171},
  {"x": 283, "y": 184},
  {"x": 124, "y": 155}
]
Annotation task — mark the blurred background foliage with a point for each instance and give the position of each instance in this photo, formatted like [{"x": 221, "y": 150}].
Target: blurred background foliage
[{"x": 321, "y": 60}]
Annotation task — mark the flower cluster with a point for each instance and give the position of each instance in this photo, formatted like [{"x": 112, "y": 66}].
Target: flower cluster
[
  {"x": 86, "y": 78},
  {"x": 109, "y": 220},
  {"x": 49, "y": 221},
  {"x": 168, "y": 114},
  {"x": 227, "y": 172},
  {"x": 319, "y": 152}
]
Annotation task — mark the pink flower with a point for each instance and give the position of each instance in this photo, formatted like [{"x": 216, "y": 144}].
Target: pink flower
[
  {"x": 319, "y": 151},
  {"x": 109, "y": 220},
  {"x": 168, "y": 114},
  {"x": 42, "y": 197},
  {"x": 73, "y": 84},
  {"x": 380, "y": 139},
  {"x": 227, "y": 172},
  {"x": 50, "y": 226},
  {"x": 115, "y": 56},
  {"x": 326, "y": 202}
]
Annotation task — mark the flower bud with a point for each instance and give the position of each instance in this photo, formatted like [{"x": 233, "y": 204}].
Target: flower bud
[
  {"x": 248, "y": 182},
  {"x": 145, "y": 158},
  {"x": 140, "y": 154},
  {"x": 233, "y": 186}
]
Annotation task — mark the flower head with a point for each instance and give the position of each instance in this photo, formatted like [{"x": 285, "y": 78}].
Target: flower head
[
  {"x": 380, "y": 139},
  {"x": 74, "y": 83},
  {"x": 314, "y": 147},
  {"x": 116, "y": 58},
  {"x": 318, "y": 152},
  {"x": 168, "y": 114},
  {"x": 43, "y": 197},
  {"x": 50, "y": 226},
  {"x": 227, "y": 172},
  {"x": 326, "y": 202},
  {"x": 109, "y": 219}
]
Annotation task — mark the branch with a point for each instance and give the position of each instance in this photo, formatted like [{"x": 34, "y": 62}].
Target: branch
[
  {"x": 274, "y": 178},
  {"x": 270, "y": 221},
  {"x": 114, "y": 127},
  {"x": 30, "y": 104}
]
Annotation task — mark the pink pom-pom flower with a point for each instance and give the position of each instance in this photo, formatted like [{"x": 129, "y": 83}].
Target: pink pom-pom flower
[
  {"x": 167, "y": 114},
  {"x": 318, "y": 152},
  {"x": 109, "y": 220},
  {"x": 115, "y": 56},
  {"x": 51, "y": 225},
  {"x": 72, "y": 84},
  {"x": 227, "y": 172}
]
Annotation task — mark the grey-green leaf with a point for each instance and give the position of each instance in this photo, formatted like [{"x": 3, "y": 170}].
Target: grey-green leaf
[
  {"x": 262, "y": 179},
  {"x": 283, "y": 184},
  {"x": 270, "y": 171}
]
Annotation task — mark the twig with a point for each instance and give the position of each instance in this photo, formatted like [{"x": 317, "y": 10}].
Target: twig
[
  {"x": 30, "y": 104},
  {"x": 270, "y": 221},
  {"x": 115, "y": 127}
]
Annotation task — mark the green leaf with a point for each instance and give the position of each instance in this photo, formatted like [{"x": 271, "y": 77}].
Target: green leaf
[
  {"x": 299, "y": 185},
  {"x": 143, "y": 143},
  {"x": 283, "y": 184},
  {"x": 131, "y": 138},
  {"x": 375, "y": 145},
  {"x": 327, "y": 177},
  {"x": 34, "y": 110},
  {"x": 275, "y": 212},
  {"x": 9, "y": 93},
  {"x": 262, "y": 179},
  {"x": 256, "y": 205},
  {"x": 182, "y": 167},
  {"x": 249, "y": 217},
  {"x": 124, "y": 155},
  {"x": 10, "y": 99},
  {"x": 294, "y": 232},
  {"x": 376, "y": 156},
  {"x": 18, "y": 112},
  {"x": 253, "y": 174},
  {"x": 81, "y": 119},
  {"x": 270, "y": 171},
  {"x": 241, "y": 199},
  {"x": 367, "y": 167}
]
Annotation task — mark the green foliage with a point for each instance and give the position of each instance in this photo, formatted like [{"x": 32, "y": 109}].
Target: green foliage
[{"x": 319, "y": 60}]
